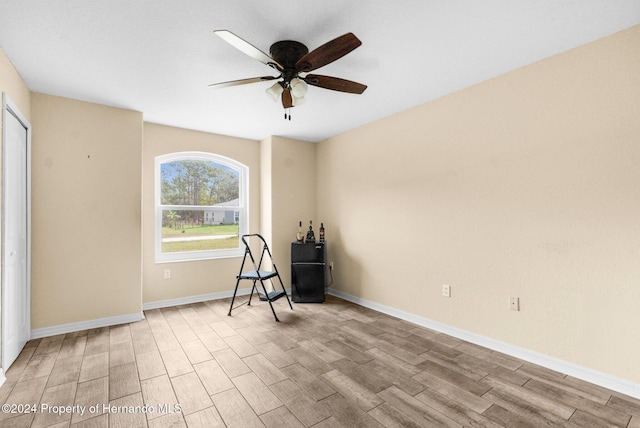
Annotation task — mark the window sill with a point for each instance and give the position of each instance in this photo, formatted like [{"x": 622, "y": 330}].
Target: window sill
[{"x": 181, "y": 257}]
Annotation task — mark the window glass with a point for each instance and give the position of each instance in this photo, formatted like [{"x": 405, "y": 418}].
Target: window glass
[{"x": 201, "y": 206}]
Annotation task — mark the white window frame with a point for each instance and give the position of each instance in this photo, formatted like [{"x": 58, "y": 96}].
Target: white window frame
[{"x": 242, "y": 208}]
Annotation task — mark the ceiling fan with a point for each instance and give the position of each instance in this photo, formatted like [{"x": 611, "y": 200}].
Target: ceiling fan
[{"x": 294, "y": 62}]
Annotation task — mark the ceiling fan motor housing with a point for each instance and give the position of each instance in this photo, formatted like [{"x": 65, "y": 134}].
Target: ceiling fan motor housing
[{"x": 288, "y": 52}]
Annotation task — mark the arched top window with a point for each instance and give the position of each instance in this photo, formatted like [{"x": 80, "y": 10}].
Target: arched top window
[{"x": 201, "y": 206}]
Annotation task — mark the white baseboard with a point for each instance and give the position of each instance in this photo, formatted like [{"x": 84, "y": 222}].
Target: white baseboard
[
  {"x": 85, "y": 325},
  {"x": 196, "y": 299},
  {"x": 193, "y": 299},
  {"x": 598, "y": 378},
  {"x": 123, "y": 319},
  {"x": 3, "y": 378}
]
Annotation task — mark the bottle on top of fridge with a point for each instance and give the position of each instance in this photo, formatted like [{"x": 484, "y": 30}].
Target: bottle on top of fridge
[
  {"x": 311, "y": 237},
  {"x": 300, "y": 234}
]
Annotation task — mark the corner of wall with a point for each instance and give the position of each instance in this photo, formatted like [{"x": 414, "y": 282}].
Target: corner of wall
[
  {"x": 266, "y": 218},
  {"x": 11, "y": 82},
  {"x": 288, "y": 193}
]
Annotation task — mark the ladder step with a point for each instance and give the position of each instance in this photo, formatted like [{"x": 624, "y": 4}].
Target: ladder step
[
  {"x": 252, "y": 274},
  {"x": 273, "y": 296}
]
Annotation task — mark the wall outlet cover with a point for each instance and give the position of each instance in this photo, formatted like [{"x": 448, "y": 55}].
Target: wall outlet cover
[{"x": 446, "y": 290}]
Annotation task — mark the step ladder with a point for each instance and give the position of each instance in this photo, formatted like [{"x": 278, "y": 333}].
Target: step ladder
[{"x": 257, "y": 274}]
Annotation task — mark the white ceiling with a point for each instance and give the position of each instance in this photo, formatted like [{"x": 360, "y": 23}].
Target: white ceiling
[{"x": 159, "y": 56}]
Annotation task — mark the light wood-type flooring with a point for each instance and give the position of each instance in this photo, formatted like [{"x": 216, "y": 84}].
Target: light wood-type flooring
[{"x": 324, "y": 365}]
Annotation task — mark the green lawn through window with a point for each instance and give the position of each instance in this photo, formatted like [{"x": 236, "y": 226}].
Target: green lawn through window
[{"x": 213, "y": 237}]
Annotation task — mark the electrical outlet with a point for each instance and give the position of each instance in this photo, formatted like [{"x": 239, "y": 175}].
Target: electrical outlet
[
  {"x": 446, "y": 290},
  {"x": 331, "y": 266},
  {"x": 514, "y": 303},
  {"x": 167, "y": 274}
]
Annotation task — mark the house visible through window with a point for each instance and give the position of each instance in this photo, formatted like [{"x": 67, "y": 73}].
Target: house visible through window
[{"x": 201, "y": 206}]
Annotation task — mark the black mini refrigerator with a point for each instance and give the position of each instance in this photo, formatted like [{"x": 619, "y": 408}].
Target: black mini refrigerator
[{"x": 308, "y": 272}]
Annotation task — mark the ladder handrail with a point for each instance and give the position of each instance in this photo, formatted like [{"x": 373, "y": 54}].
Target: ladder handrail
[{"x": 265, "y": 247}]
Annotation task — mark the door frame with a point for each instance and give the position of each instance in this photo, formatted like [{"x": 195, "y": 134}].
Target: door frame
[{"x": 8, "y": 107}]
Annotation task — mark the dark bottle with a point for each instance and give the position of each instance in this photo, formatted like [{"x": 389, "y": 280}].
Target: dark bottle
[
  {"x": 311, "y": 237},
  {"x": 321, "y": 232}
]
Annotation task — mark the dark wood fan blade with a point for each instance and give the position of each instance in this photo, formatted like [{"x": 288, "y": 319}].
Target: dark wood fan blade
[
  {"x": 327, "y": 53},
  {"x": 335, "y": 83},
  {"x": 243, "y": 81},
  {"x": 248, "y": 49},
  {"x": 287, "y": 100}
]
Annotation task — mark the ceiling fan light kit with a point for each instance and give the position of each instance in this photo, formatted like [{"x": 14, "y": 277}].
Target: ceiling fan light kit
[
  {"x": 298, "y": 87},
  {"x": 275, "y": 91},
  {"x": 294, "y": 62}
]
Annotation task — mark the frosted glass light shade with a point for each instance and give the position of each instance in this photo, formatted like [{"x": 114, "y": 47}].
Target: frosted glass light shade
[
  {"x": 298, "y": 87},
  {"x": 275, "y": 91}
]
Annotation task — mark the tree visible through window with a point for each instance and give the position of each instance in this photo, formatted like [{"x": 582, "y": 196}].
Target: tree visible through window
[{"x": 200, "y": 206}]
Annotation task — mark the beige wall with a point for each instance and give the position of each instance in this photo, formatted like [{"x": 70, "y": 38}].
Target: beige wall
[
  {"x": 266, "y": 184},
  {"x": 526, "y": 185},
  {"x": 86, "y": 219},
  {"x": 291, "y": 196},
  {"x": 201, "y": 277},
  {"x": 12, "y": 84}
]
